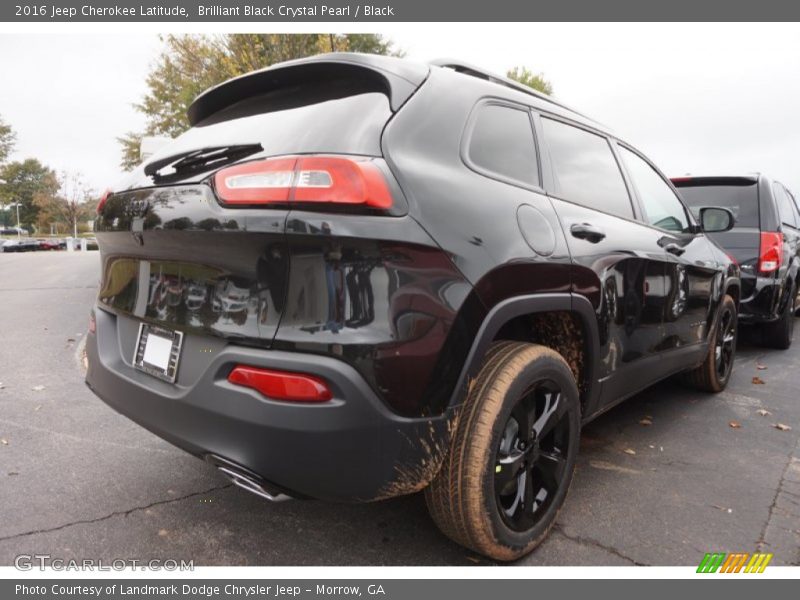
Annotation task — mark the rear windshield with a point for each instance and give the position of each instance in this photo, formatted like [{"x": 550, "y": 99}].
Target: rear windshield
[
  {"x": 742, "y": 200},
  {"x": 296, "y": 120}
]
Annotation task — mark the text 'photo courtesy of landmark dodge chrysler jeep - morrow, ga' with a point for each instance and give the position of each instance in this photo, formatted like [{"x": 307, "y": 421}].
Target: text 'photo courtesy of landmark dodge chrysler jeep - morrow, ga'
[{"x": 357, "y": 277}]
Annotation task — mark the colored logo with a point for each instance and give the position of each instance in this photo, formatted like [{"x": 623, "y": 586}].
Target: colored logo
[{"x": 734, "y": 563}]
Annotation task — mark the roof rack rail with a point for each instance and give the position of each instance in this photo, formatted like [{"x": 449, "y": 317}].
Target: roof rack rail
[{"x": 468, "y": 69}]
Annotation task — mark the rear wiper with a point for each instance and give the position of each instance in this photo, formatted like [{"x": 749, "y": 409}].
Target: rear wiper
[{"x": 185, "y": 164}]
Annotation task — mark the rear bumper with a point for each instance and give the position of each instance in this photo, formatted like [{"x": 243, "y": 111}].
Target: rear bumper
[
  {"x": 762, "y": 305},
  {"x": 352, "y": 448}
]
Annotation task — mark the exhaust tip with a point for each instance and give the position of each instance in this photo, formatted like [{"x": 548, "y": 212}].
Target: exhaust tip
[{"x": 247, "y": 480}]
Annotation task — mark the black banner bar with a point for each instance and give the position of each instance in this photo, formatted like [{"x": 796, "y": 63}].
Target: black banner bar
[
  {"x": 381, "y": 11},
  {"x": 731, "y": 588}
]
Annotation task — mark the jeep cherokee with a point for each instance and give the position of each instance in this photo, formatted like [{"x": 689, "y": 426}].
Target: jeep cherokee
[{"x": 357, "y": 277}]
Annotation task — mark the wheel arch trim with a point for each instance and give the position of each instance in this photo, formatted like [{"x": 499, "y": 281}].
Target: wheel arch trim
[{"x": 510, "y": 308}]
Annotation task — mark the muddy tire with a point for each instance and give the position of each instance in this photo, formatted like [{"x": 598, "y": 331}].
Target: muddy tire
[
  {"x": 513, "y": 453},
  {"x": 715, "y": 372},
  {"x": 779, "y": 334}
]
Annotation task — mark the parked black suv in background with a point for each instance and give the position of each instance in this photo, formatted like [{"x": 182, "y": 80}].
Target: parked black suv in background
[
  {"x": 765, "y": 241},
  {"x": 358, "y": 277}
]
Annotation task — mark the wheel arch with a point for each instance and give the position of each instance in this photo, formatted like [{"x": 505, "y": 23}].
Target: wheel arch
[{"x": 507, "y": 311}]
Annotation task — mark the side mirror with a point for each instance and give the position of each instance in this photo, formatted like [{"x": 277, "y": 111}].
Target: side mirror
[{"x": 715, "y": 219}]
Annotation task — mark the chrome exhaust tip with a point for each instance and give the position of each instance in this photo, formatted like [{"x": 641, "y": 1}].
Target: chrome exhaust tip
[{"x": 250, "y": 482}]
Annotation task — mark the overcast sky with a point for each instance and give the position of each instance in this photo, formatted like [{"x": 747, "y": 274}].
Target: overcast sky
[{"x": 694, "y": 98}]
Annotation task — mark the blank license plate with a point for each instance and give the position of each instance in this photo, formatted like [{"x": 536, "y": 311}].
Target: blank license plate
[{"x": 158, "y": 351}]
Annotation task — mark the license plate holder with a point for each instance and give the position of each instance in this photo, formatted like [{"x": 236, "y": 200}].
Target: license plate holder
[{"x": 158, "y": 351}]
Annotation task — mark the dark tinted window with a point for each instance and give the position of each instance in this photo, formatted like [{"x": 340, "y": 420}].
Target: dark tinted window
[
  {"x": 662, "y": 207},
  {"x": 501, "y": 143},
  {"x": 586, "y": 169},
  {"x": 303, "y": 123},
  {"x": 785, "y": 205},
  {"x": 742, "y": 200}
]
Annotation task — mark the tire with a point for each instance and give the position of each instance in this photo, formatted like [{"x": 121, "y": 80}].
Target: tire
[
  {"x": 779, "y": 334},
  {"x": 499, "y": 490},
  {"x": 715, "y": 372}
]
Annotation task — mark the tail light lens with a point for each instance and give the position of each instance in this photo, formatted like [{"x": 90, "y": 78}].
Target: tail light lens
[
  {"x": 103, "y": 200},
  {"x": 281, "y": 385},
  {"x": 317, "y": 179},
  {"x": 771, "y": 252}
]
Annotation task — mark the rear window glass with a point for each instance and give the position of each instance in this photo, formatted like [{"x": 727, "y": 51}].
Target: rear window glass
[
  {"x": 295, "y": 120},
  {"x": 501, "y": 143},
  {"x": 742, "y": 200}
]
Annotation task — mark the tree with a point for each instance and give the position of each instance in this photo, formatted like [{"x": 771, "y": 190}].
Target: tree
[
  {"x": 190, "y": 64},
  {"x": 24, "y": 180},
  {"x": 72, "y": 202},
  {"x": 7, "y": 140},
  {"x": 527, "y": 77}
]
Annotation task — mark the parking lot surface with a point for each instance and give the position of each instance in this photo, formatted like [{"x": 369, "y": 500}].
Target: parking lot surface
[{"x": 662, "y": 479}]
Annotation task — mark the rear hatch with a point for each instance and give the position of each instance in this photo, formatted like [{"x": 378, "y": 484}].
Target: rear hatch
[
  {"x": 740, "y": 196},
  {"x": 183, "y": 251}
]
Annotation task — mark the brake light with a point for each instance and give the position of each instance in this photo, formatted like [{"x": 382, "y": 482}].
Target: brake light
[
  {"x": 317, "y": 179},
  {"x": 677, "y": 180},
  {"x": 281, "y": 385},
  {"x": 103, "y": 200},
  {"x": 771, "y": 251}
]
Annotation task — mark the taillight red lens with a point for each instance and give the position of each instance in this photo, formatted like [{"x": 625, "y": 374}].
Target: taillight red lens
[
  {"x": 318, "y": 179},
  {"x": 771, "y": 251},
  {"x": 103, "y": 200},
  {"x": 281, "y": 385}
]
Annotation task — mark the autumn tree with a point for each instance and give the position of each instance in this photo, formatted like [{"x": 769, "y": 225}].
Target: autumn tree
[
  {"x": 7, "y": 140},
  {"x": 24, "y": 180},
  {"x": 72, "y": 202},
  {"x": 527, "y": 77},
  {"x": 190, "y": 64}
]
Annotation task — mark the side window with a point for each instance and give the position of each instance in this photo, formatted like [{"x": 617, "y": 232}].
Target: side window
[
  {"x": 585, "y": 168},
  {"x": 662, "y": 207},
  {"x": 784, "y": 205},
  {"x": 501, "y": 143}
]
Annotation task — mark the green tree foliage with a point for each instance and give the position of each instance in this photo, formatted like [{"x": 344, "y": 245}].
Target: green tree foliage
[
  {"x": 7, "y": 140},
  {"x": 190, "y": 64},
  {"x": 527, "y": 77},
  {"x": 24, "y": 181}
]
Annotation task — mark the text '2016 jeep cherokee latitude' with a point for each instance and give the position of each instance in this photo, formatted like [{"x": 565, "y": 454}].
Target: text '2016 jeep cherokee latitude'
[{"x": 357, "y": 277}]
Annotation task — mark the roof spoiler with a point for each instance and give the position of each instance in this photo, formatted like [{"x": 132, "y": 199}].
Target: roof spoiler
[{"x": 397, "y": 78}]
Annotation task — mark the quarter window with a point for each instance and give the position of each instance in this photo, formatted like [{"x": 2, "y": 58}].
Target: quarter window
[
  {"x": 585, "y": 169},
  {"x": 784, "y": 205},
  {"x": 501, "y": 144},
  {"x": 662, "y": 207}
]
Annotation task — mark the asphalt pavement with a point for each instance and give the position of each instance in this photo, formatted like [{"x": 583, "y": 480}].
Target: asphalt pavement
[{"x": 662, "y": 479}]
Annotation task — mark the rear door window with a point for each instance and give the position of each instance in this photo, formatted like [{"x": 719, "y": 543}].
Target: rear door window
[
  {"x": 585, "y": 169},
  {"x": 501, "y": 144}
]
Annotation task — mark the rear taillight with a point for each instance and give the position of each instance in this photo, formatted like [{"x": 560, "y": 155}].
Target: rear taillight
[
  {"x": 317, "y": 179},
  {"x": 281, "y": 385},
  {"x": 103, "y": 200},
  {"x": 770, "y": 254}
]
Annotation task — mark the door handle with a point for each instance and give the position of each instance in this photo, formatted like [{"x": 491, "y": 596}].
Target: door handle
[
  {"x": 674, "y": 248},
  {"x": 588, "y": 232}
]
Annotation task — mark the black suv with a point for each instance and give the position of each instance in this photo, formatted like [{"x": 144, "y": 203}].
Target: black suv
[
  {"x": 765, "y": 241},
  {"x": 357, "y": 277}
]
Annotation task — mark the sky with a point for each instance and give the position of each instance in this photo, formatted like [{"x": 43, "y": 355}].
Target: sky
[{"x": 695, "y": 98}]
